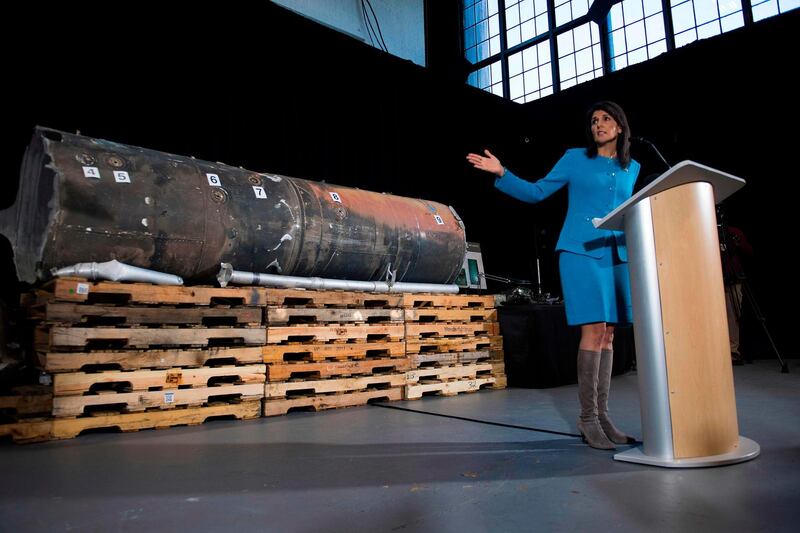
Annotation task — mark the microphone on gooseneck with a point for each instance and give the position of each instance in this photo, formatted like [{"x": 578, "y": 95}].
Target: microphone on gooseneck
[{"x": 642, "y": 140}]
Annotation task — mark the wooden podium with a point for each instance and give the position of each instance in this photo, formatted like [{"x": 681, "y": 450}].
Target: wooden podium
[{"x": 683, "y": 353}]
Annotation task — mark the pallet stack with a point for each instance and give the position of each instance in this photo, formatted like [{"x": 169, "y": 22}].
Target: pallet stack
[
  {"x": 453, "y": 344},
  {"x": 329, "y": 349},
  {"x": 135, "y": 356}
]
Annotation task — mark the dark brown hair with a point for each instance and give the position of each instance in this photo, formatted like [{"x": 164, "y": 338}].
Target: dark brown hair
[{"x": 623, "y": 139}]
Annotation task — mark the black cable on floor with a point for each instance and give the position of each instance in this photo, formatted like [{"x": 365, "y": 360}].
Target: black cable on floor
[{"x": 540, "y": 430}]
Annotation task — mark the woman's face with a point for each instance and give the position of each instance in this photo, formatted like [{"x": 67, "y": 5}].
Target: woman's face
[{"x": 604, "y": 128}]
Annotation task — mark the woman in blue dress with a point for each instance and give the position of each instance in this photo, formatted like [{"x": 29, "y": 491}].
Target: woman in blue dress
[{"x": 592, "y": 262}]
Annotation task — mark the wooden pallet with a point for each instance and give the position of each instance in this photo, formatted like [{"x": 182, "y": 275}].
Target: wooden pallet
[
  {"x": 311, "y": 298},
  {"x": 142, "y": 380},
  {"x": 323, "y": 386},
  {"x": 439, "y": 314},
  {"x": 81, "y": 290},
  {"x": 317, "y": 334},
  {"x": 26, "y": 401},
  {"x": 500, "y": 381},
  {"x": 72, "y": 406},
  {"x": 67, "y": 428},
  {"x": 437, "y": 329},
  {"x": 280, "y": 353},
  {"x": 66, "y": 337},
  {"x": 96, "y": 314},
  {"x": 137, "y": 359},
  {"x": 447, "y": 300},
  {"x": 498, "y": 368},
  {"x": 326, "y": 369},
  {"x": 444, "y": 373},
  {"x": 331, "y": 401},
  {"x": 288, "y": 315},
  {"x": 448, "y": 359},
  {"x": 453, "y": 344},
  {"x": 447, "y": 388}
]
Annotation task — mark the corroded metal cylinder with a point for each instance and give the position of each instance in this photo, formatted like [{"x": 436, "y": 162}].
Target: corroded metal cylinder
[{"x": 82, "y": 199}]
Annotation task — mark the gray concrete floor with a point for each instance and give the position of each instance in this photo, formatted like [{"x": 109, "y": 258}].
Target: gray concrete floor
[{"x": 377, "y": 469}]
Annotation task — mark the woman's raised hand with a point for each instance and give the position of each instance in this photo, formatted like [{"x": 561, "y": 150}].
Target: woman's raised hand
[{"x": 489, "y": 163}]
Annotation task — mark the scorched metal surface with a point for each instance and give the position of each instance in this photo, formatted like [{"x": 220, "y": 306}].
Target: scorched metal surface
[{"x": 82, "y": 199}]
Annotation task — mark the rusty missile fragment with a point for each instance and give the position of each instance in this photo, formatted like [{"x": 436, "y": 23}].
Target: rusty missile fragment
[{"x": 82, "y": 199}]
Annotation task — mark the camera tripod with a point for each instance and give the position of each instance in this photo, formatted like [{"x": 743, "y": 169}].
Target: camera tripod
[{"x": 737, "y": 277}]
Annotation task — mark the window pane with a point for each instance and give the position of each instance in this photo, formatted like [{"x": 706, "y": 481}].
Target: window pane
[
  {"x": 542, "y": 24},
  {"x": 514, "y": 64},
  {"x": 494, "y": 26},
  {"x": 516, "y": 88},
  {"x": 526, "y": 10},
  {"x": 615, "y": 16},
  {"x": 726, "y": 7},
  {"x": 651, "y": 7},
  {"x": 634, "y": 35},
  {"x": 705, "y": 11},
  {"x": 618, "y": 43},
  {"x": 583, "y": 38},
  {"x": 564, "y": 43},
  {"x": 579, "y": 8},
  {"x": 563, "y": 14},
  {"x": 528, "y": 30},
  {"x": 532, "y": 80},
  {"x": 633, "y": 10},
  {"x": 513, "y": 37},
  {"x": 682, "y": 17},
  {"x": 656, "y": 49},
  {"x": 732, "y": 22},
  {"x": 685, "y": 38},
  {"x": 494, "y": 45},
  {"x": 709, "y": 30},
  {"x": 584, "y": 61},
  {"x": 655, "y": 28},
  {"x": 512, "y": 16}
]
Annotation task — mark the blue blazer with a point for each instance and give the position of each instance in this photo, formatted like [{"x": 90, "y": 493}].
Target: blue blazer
[{"x": 595, "y": 188}]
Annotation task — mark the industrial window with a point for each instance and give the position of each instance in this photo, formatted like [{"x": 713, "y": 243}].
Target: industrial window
[
  {"x": 769, "y": 8},
  {"x": 481, "y": 30},
  {"x": 525, "y": 20},
  {"x": 636, "y": 32},
  {"x": 528, "y": 49},
  {"x": 579, "y": 57},
  {"x": 531, "y": 74},
  {"x": 699, "y": 19}
]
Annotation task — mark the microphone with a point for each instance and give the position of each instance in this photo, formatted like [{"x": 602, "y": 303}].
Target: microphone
[{"x": 642, "y": 140}]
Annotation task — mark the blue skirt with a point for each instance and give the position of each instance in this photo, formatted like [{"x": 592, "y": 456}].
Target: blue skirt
[{"x": 596, "y": 290}]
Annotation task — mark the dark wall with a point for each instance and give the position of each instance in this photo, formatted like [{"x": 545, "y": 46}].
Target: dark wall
[{"x": 268, "y": 90}]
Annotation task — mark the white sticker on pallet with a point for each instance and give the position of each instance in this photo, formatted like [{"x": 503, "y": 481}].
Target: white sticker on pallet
[
  {"x": 82, "y": 288},
  {"x": 169, "y": 397}
]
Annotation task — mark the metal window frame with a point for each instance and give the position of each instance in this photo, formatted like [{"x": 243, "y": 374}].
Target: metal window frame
[{"x": 553, "y": 32}]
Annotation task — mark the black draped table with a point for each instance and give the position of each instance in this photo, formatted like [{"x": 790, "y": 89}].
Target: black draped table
[{"x": 541, "y": 349}]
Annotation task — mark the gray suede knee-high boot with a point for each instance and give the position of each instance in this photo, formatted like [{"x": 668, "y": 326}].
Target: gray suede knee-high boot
[
  {"x": 588, "y": 423},
  {"x": 603, "y": 385}
]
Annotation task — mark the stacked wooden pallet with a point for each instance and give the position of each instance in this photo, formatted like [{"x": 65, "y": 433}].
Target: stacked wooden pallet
[
  {"x": 453, "y": 344},
  {"x": 136, "y": 356},
  {"x": 330, "y": 349}
]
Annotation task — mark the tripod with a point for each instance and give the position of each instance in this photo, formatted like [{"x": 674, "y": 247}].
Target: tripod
[{"x": 735, "y": 277}]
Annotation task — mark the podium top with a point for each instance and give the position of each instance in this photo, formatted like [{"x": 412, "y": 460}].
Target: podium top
[{"x": 684, "y": 172}]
